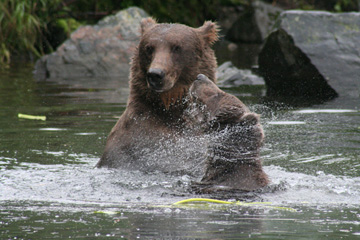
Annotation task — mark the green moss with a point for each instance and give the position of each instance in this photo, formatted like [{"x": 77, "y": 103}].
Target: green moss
[{"x": 68, "y": 25}]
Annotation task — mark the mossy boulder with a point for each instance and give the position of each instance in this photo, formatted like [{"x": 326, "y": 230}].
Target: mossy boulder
[{"x": 102, "y": 50}]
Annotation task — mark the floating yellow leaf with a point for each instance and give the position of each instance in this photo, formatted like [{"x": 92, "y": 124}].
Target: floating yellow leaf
[{"x": 31, "y": 117}]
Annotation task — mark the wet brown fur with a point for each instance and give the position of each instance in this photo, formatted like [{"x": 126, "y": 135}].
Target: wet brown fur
[
  {"x": 183, "y": 53},
  {"x": 173, "y": 97},
  {"x": 205, "y": 62},
  {"x": 153, "y": 115},
  {"x": 234, "y": 160}
]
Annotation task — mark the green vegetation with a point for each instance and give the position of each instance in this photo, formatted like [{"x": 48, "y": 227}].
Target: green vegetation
[
  {"x": 21, "y": 27},
  {"x": 27, "y": 27},
  {"x": 34, "y": 27},
  {"x": 190, "y": 12}
]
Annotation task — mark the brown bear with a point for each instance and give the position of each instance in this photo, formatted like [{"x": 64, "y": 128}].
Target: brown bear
[
  {"x": 158, "y": 131},
  {"x": 165, "y": 64},
  {"x": 233, "y": 157}
]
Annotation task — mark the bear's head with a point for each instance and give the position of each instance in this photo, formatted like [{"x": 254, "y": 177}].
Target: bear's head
[{"x": 170, "y": 56}]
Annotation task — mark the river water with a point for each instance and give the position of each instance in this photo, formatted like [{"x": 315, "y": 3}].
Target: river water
[{"x": 49, "y": 187}]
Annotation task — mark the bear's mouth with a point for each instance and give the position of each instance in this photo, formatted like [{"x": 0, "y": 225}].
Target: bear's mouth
[
  {"x": 158, "y": 90},
  {"x": 160, "y": 87},
  {"x": 154, "y": 86}
]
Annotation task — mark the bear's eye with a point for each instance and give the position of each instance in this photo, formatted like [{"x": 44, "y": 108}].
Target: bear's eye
[
  {"x": 176, "y": 49},
  {"x": 149, "y": 49}
]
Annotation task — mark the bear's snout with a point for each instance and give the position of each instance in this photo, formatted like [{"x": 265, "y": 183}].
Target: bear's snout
[{"x": 155, "y": 78}]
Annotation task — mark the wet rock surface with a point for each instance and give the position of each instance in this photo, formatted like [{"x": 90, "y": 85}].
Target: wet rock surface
[
  {"x": 313, "y": 54},
  {"x": 102, "y": 50},
  {"x": 230, "y": 76}
]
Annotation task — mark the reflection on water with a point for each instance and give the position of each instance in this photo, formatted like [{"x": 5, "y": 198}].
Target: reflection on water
[
  {"x": 285, "y": 122},
  {"x": 326, "y": 111},
  {"x": 49, "y": 187}
]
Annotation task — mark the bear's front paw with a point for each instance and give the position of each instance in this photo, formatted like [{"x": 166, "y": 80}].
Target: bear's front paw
[
  {"x": 250, "y": 119},
  {"x": 202, "y": 77}
]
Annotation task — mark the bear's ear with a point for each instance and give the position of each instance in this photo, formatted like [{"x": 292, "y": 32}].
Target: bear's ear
[
  {"x": 146, "y": 23},
  {"x": 209, "y": 31}
]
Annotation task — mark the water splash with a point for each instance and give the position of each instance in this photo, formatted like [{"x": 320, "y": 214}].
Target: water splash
[{"x": 319, "y": 189}]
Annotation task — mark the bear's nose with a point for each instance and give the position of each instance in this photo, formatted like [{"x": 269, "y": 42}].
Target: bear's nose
[{"x": 155, "y": 78}]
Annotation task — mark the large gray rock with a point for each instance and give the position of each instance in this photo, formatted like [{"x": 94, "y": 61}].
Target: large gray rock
[
  {"x": 102, "y": 50},
  {"x": 230, "y": 76},
  {"x": 253, "y": 24},
  {"x": 313, "y": 54}
]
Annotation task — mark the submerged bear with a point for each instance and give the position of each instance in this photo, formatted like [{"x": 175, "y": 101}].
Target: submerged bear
[{"x": 178, "y": 122}]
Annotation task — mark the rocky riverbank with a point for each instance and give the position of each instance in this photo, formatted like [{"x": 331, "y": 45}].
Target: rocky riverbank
[{"x": 304, "y": 53}]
